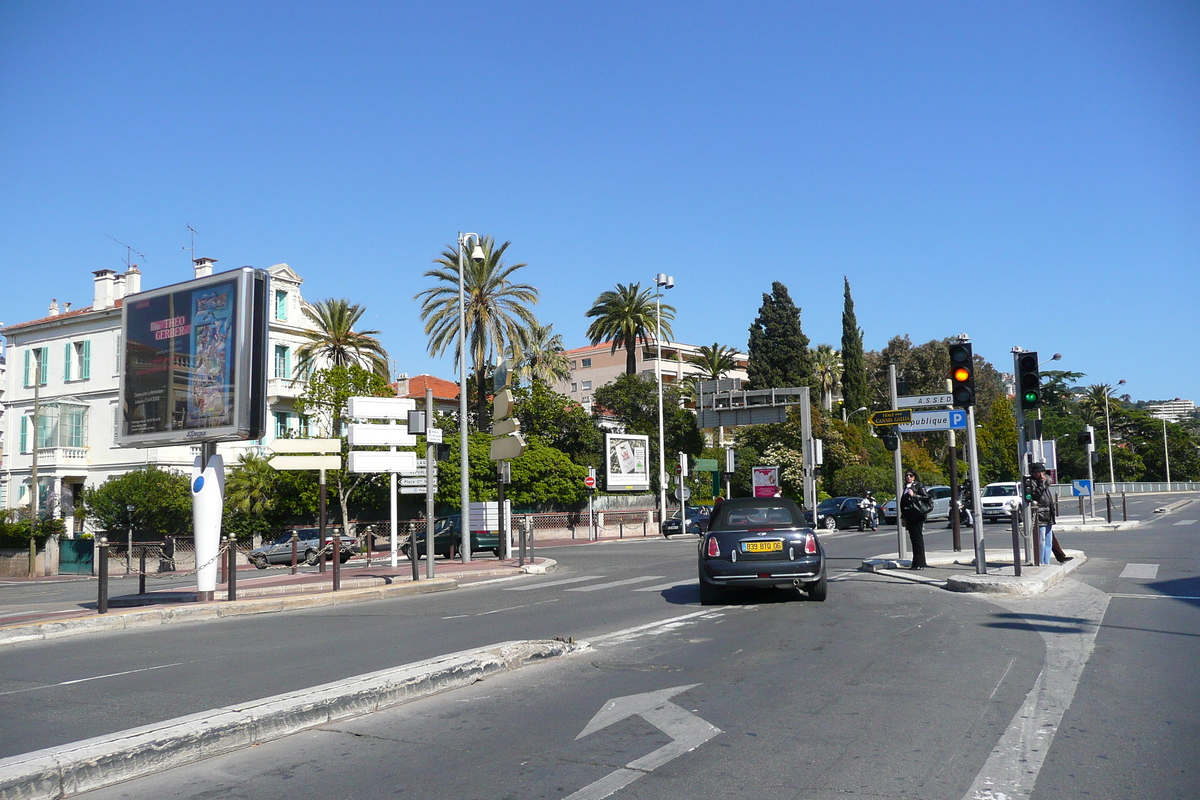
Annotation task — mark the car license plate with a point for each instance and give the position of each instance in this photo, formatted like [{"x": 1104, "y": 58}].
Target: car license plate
[{"x": 762, "y": 547}]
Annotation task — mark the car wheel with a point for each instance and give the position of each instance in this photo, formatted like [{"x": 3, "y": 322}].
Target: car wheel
[
  {"x": 830, "y": 524},
  {"x": 259, "y": 561},
  {"x": 311, "y": 557},
  {"x": 818, "y": 589},
  {"x": 709, "y": 595},
  {"x": 496, "y": 552}
]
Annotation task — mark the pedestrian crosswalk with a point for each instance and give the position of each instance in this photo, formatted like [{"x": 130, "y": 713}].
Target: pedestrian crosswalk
[{"x": 1187, "y": 522}]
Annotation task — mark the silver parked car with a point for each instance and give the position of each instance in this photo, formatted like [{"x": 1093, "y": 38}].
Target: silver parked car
[
  {"x": 941, "y": 505},
  {"x": 307, "y": 551}
]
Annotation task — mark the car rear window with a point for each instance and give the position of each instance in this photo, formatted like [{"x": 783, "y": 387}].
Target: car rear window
[{"x": 746, "y": 517}]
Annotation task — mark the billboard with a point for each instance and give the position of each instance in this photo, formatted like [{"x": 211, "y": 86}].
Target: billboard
[
  {"x": 194, "y": 361},
  {"x": 765, "y": 481},
  {"x": 627, "y": 462}
]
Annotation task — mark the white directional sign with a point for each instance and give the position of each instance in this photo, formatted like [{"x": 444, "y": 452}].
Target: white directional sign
[
  {"x": 411, "y": 490},
  {"x": 380, "y": 407},
  {"x": 924, "y": 401},
  {"x": 687, "y": 732},
  {"x": 382, "y": 461},
  {"x": 363, "y": 434},
  {"x": 412, "y": 481},
  {"x": 945, "y": 420},
  {"x": 433, "y": 435},
  {"x": 305, "y": 462},
  {"x": 290, "y": 462},
  {"x": 306, "y": 445}
]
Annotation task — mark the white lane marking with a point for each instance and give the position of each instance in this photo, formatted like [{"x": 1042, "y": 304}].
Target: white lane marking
[
  {"x": 1155, "y": 596},
  {"x": 598, "y": 586},
  {"x": 656, "y": 628},
  {"x": 554, "y": 583},
  {"x": 94, "y": 678},
  {"x": 1012, "y": 769},
  {"x": 662, "y": 587},
  {"x": 1187, "y": 521},
  {"x": 841, "y": 576},
  {"x": 499, "y": 610},
  {"x": 1146, "y": 571}
]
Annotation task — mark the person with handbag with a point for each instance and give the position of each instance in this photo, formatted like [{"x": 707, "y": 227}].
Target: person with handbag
[
  {"x": 915, "y": 505},
  {"x": 1047, "y": 513}
]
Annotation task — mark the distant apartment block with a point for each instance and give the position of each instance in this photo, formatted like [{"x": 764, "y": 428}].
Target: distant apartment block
[{"x": 1176, "y": 410}]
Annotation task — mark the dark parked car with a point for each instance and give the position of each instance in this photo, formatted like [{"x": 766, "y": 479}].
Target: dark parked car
[
  {"x": 760, "y": 541},
  {"x": 841, "y": 512},
  {"x": 280, "y": 550},
  {"x": 447, "y": 538},
  {"x": 697, "y": 521}
]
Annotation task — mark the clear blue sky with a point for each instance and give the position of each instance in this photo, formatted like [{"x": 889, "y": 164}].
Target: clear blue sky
[{"x": 1028, "y": 173}]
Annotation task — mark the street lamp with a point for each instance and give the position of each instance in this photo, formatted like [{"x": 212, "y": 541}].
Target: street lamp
[
  {"x": 661, "y": 281},
  {"x": 464, "y": 460},
  {"x": 1166, "y": 454},
  {"x": 1108, "y": 430},
  {"x": 846, "y": 417}
]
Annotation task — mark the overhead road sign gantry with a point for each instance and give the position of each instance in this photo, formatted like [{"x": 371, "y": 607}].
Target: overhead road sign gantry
[{"x": 893, "y": 417}]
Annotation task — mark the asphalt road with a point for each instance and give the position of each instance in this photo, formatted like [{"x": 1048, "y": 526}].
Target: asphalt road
[{"x": 887, "y": 689}]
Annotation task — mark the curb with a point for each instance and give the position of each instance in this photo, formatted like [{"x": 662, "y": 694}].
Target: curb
[
  {"x": 92, "y": 764},
  {"x": 1035, "y": 580}
]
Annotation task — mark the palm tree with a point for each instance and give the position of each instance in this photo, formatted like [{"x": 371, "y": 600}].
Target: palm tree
[
  {"x": 714, "y": 361},
  {"x": 498, "y": 317},
  {"x": 253, "y": 485},
  {"x": 626, "y": 316},
  {"x": 543, "y": 357},
  {"x": 336, "y": 342},
  {"x": 827, "y": 368}
]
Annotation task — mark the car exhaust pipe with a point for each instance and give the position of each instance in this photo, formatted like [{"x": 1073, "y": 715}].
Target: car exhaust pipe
[{"x": 796, "y": 583}]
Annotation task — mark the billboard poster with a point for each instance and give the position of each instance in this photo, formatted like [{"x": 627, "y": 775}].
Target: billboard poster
[
  {"x": 627, "y": 462},
  {"x": 189, "y": 361},
  {"x": 766, "y": 481}
]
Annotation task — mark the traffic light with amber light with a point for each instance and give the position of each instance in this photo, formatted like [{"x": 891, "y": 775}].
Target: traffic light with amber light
[
  {"x": 1029, "y": 381},
  {"x": 962, "y": 375}
]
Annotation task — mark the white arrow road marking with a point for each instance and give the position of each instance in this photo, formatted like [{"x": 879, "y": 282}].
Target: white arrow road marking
[
  {"x": 1074, "y": 615},
  {"x": 686, "y": 730}
]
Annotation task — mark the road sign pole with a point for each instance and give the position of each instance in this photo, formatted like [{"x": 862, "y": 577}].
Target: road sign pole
[
  {"x": 955, "y": 490},
  {"x": 321, "y": 540},
  {"x": 973, "y": 461},
  {"x": 897, "y": 464},
  {"x": 430, "y": 466}
]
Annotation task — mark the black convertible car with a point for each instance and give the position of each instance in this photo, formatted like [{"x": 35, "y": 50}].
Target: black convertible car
[{"x": 760, "y": 541}]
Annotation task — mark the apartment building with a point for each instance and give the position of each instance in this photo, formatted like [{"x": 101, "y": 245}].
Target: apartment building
[{"x": 73, "y": 355}]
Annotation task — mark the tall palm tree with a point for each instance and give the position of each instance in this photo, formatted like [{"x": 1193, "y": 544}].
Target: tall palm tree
[
  {"x": 543, "y": 357},
  {"x": 626, "y": 316},
  {"x": 827, "y": 369},
  {"x": 498, "y": 317},
  {"x": 714, "y": 362},
  {"x": 336, "y": 342},
  {"x": 253, "y": 485}
]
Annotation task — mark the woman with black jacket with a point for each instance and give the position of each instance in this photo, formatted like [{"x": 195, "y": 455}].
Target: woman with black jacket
[{"x": 915, "y": 505}]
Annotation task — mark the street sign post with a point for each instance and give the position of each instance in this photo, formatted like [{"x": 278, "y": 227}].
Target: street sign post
[
  {"x": 317, "y": 462},
  {"x": 391, "y": 435},
  {"x": 943, "y": 420},
  {"x": 892, "y": 417}
]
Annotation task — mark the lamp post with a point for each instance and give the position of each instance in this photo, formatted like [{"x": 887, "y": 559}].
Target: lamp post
[
  {"x": 1166, "y": 454},
  {"x": 846, "y": 417},
  {"x": 1108, "y": 430},
  {"x": 464, "y": 460},
  {"x": 661, "y": 281}
]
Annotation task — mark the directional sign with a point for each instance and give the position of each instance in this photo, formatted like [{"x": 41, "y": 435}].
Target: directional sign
[
  {"x": 362, "y": 434},
  {"x": 382, "y": 461},
  {"x": 380, "y": 407},
  {"x": 433, "y": 435},
  {"x": 1081, "y": 488},
  {"x": 411, "y": 490},
  {"x": 306, "y": 445},
  {"x": 686, "y": 730},
  {"x": 511, "y": 446},
  {"x": 305, "y": 462},
  {"x": 891, "y": 417},
  {"x": 706, "y": 465},
  {"x": 925, "y": 401},
  {"x": 944, "y": 420}
]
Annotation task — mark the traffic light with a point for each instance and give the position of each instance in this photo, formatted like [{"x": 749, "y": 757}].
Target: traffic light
[
  {"x": 1029, "y": 381},
  {"x": 962, "y": 375},
  {"x": 1087, "y": 438},
  {"x": 890, "y": 440}
]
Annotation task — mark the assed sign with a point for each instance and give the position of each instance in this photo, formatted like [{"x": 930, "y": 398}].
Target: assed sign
[
  {"x": 194, "y": 361},
  {"x": 627, "y": 458}
]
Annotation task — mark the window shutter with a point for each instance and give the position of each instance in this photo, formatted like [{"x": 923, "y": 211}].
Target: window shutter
[
  {"x": 44, "y": 362},
  {"x": 24, "y": 433},
  {"x": 67, "y": 361},
  {"x": 287, "y": 363},
  {"x": 27, "y": 360},
  {"x": 85, "y": 360}
]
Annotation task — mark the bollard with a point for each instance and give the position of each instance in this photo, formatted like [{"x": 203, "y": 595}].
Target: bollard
[
  {"x": 1016, "y": 539},
  {"x": 521, "y": 543},
  {"x": 1124, "y": 509},
  {"x": 1108, "y": 503},
  {"x": 645, "y": 518},
  {"x": 295, "y": 541},
  {"x": 371, "y": 543},
  {"x": 102, "y": 565},
  {"x": 232, "y": 568},
  {"x": 142, "y": 570},
  {"x": 337, "y": 561},
  {"x": 621, "y": 535}
]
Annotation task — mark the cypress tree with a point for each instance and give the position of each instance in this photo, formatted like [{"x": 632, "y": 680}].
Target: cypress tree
[
  {"x": 778, "y": 350},
  {"x": 855, "y": 390}
]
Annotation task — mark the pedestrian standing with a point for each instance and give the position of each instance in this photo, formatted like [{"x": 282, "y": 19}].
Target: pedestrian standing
[
  {"x": 915, "y": 505},
  {"x": 1047, "y": 512}
]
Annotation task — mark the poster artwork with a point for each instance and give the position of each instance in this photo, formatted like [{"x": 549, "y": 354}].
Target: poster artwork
[
  {"x": 766, "y": 481},
  {"x": 210, "y": 390}
]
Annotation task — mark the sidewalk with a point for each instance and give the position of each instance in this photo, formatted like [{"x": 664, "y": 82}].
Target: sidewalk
[{"x": 955, "y": 571}]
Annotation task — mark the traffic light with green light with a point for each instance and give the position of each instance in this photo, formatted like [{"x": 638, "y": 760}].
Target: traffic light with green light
[
  {"x": 962, "y": 374},
  {"x": 1029, "y": 381}
]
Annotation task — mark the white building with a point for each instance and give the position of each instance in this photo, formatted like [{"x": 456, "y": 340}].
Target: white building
[
  {"x": 79, "y": 356},
  {"x": 1176, "y": 410}
]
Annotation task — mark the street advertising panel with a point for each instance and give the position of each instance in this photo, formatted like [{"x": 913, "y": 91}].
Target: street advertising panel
[
  {"x": 194, "y": 361},
  {"x": 627, "y": 462},
  {"x": 766, "y": 481}
]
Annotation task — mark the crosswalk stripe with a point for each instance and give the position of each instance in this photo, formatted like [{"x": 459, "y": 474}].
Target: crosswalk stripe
[
  {"x": 553, "y": 583},
  {"x": 662, "y": 587},
  {"x": 598, "y": 586},
  {"x": 1146, "y": 571},
  {"x": 1187, "y": 522}
]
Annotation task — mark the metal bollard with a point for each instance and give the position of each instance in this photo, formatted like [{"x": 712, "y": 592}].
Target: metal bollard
[
  {"x": 102, "y": 566},
  {"x": 1016, "y": 540},
  {"x": 295, "y": 541},
  {"x": 1124, "y": 509},
  {"x": 1108, "y": 503},
  {"x": 337, "y": 561},
  {"x": 142, "y": 570},
  {"x": 621, "y": 535},
  {"x": 232, "y": 568}
]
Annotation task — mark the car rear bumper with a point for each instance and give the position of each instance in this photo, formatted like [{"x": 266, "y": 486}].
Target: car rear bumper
[{"x": 720, "y": 572}]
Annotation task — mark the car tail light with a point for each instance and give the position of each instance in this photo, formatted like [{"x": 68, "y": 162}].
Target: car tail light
[
  {"x": 810, "y": 544},
  {"x": 714, "y": 549}
]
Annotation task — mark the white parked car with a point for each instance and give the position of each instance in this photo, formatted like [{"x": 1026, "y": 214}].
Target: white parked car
[
  {"x": 999, "y": 499},
  {"x": 941, "y": 505}
]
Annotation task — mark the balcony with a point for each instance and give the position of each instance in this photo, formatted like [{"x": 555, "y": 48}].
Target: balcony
[
  {"x": 62, "y": 456},
  {"x": 285, "y": 388}
]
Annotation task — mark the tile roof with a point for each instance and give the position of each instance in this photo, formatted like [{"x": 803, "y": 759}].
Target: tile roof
[
  {"x": 442, "y": 389},
  {"x": 64, "y": 315}
]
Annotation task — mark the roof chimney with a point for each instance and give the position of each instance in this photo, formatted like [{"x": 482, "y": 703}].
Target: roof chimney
[
  {"x": 204, "y": 266},
  {"x": 118, "y": 287},
  {"x": 53, "y": 310},
  {"x": 133, "y": 280},
  {"x": 104, "y": 289}
]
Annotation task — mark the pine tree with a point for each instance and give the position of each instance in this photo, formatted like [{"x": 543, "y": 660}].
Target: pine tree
[
  {"x": 855, "y": 391},
  {"x": 779, "y": 354}
]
